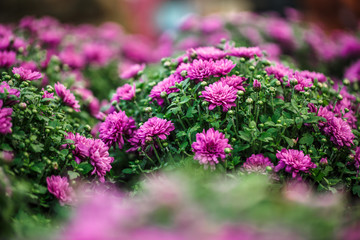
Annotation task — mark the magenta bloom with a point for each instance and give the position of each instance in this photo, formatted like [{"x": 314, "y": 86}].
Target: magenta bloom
[
  {"x": 302, "y": 82},
  {"x": 125, "y": 92},
  {"x": 257, "y": 163},
  {"x": 294, "y": 161},
  {"x": 210, "y": 146},
  {"x": 353, "y": 72},
  {"x": 279, "y": 71},
  {"x": 151, "y": 130},
  {"x": 257, "y": 85},
  {"x": 167, "y": 86},
  {"x": 5, "y": 119},
  {"x": 220, "y": 94},
  {"x": 131, "y": 71},
  {"x": 7, "y": 156},
  {"x": 234, "y": 81},
  {"x": 339, "y": 132},
  {"x": 26, "y": 74},
  {"x": 223, "y": 67},
  {"x": 98, "y": 54},
  {"x": 313, "y": 75},
  {"x": 59, "y": 187},
  {"x": 116, "y": 127},
  {"x": 245, "y": 52},
  {"x": 201, "y": 69},
  {"x": 67, "y": 97},
  {"x": 357, "y": 157},
  {"x": 207, "y": 53},
  {"x": 73, "y": 59},
  {"x": 7, "y": 58},
  {"x": 47, "y": 94},
  {"x": 12, "y": 92}
]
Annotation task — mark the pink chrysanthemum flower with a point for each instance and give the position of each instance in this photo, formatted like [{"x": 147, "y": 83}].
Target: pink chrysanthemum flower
[
  {"x": 5, "y": 119},
  {"x": 96, "y": 53},
  {"x": 294, "y": 161},
  {"x": 207, "y": 53},
  {"x": 245, "y": 52},
  {"x": 125, "y": 92},
  {"x": 357, "y": 157},
  {"x": 234, "y": 81},
  {"x": 257, "y": 163},
  {"x": 7, "y": 58},
  {"x": 27, "y": 74},
  {"x": 220, "y": 94},
  {"x": 59, "y": 187},
  {"x": 314, "y": 75},
  {"x": 279, "y": 71},
  {"x": 151, "y": 130},
  {"x": 353, "y": 72},
  {"x": 209, "y": 147},
  {"x": 182, "y": 67},
  {"x": 12, "y": 92},
  {"x": 116, "y": 127},
  {"x": 167, "y": 86},
  {"x": 67, "y": 97},
  {"x": 47, "y": 94},
  {"x": 201, "y": 69},
  {"x": 339, "y": 132},
  {"x": 257, "y": 85},
  {"x": 302, "y": 82},
  {"x": 73, "y": 59},
  {"x": 223, "y": 67},
  {"x": 131, "y": 71},
  {"x": 82, "y": 145}
]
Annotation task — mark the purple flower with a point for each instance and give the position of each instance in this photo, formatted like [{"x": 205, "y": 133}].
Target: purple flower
[
  {"x": 220, "y": 94},
  {"x": 167, "y": 86},
  {"x": 313, "y": 75},
  {"x": 353, "y": 72},
  {"x": 151, "y": 130},
  {"x": 245, "y": 52},
  {"x": 7, "y": 156},
  {"x": 223, "y": 67},
  {"x": 51, "y": 37},
  {"x": 339, "y": 132},
  {"x": 26, "y": 74},
  {"x": 12, "y": 92},
  {"x": 5, "y": 119},
  {"x": 281, "y": 31},
  {"x": 234, "y": 81},
  {"x": 67, "y": 97},
  {"x": 201, "y": 69},
  {"x": 81, "y": 151},
  {"x": 294, "y": 161},
  {"x": 98, "y": 54},
  {"x": 257, "y": 163},
  {"x": 131, "y": 71},
  {"x": 47, "y": 94},
  {"x": 116, "y": 126},
  {"x": 256, "y": 85},
  {"x": 59, "y": 187},
  {"x": 323, "y": 161},
  {"x": 125, "y": 92},
  {"x": 211, "y": 24},
  {"x": 73, "y": 59},
  {"x": 209, "y": 147},
  {"x": 301, "y": 81},
  {"x": 207, "y": 53},
  {"x": 357, "y": 157},
  {"x": 7, "y": 58},
  {"x": 279, "y": 71}
]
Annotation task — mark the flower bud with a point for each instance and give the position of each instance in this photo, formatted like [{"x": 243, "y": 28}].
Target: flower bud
[
  {"x": 257, "y": 85},
  {"x": 227, "y": 150},
  {"x": 269, "y": 169},
  {"x": 260, "y": 102},
  {"x": 272, "y": 89},
  {"x": 183, "y": 73},
  {"x": 251, "y": 68},
  {"x": 278, "y": 83},
  {"x": 323, "y": 162},
  {"x": 249, "y": 100},
  {"x": 204, "y": 83},
  {"x": 163, "y": 94},
  {"x": 339, "y": 96},
  {"x": 55, "y": 165},
  {"x": 165, "y": 144},
  {"x": 22, "y": 105},
  {"x": 346, "y": 82},
  {"x": 346, "y": 110},
  {"x": 240, "y": 93},
  {"x": 148, "y": 109},
  {"x": 242, "y": 60},
  {"x": 87, "y": 127}
]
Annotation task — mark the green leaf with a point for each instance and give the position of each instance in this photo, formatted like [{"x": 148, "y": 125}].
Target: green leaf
[
  {"x": 289, "y": 141},
  {"x": 85, "y": 167},
  {"x": 184, "y": 145},
  {"x": 242, "y": 147},
  {"x": 356, "y": 190},
  {"x": 127, "y": 171},
  {"x": 245, "y": 136},
  {"x": 5, "y": 147},
  {"x": 39, "y": 147},
  {"x": 184, "y": 99},
  {"x": 38, "y": 167},
  {"x": 307, "y": 139},
  {"x": 73, "y": 175}
]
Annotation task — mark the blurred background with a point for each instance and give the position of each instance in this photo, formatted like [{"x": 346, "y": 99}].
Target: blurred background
[{"x": 149, "y": 17}]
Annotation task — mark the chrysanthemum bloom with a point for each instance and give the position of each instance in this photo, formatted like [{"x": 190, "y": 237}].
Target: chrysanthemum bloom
[
  {"x": 294, "y": 161},
  {"x": 131, "y": 71},
  {"x": 51, "y": 37},
  {"x": 357, "y": 157},
  {"x": 29, "y": 65},
  {"x": 353, "y": 72},
  {"x": 256, "y": 85},
  {"x": 47, "y": 94},
  {"x": 167, "y": 86},
  {"x": 279, "y": 71},
  {"x": 180, "y": 69},
  {"x": 324, "y": 161},
  {"x": 67, "y": 97},
  {"x": 245, "y": 52},
  {"x": 5, "y": 119},
  {"x": 339, "y": 132},
  {"x": 12, "y": 92},
  {"x": 7, "y": 156},
  {"x": 257, "y": 163},
  {"x": 207, "y": 53},
  {"x": 125, "y": 92},
  {"x": 209, "y": 147},
  {"x": 223, "y": 67},
  {"x": 73, "y": 59},
  {"x": 100, "y": 159},
  {"x": 301, "y": 81},
  {"x": 59, "y": 187},
  {"x": 96, "y": 53},
  {"x": 116, "y": 127},
  {"x": 82, "y": 145},
  {"x": 7, "y": 58},
  {"x": 314, "y": 75},
  {"x": 234, "y": 81},
  {"x": 211, "y": 24},
  {"x": 151, "y": 130},
  {"x": 201, "y": 69},
  {"x": 220, "y": 94},
  {"x": 26, "y": 74}
]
